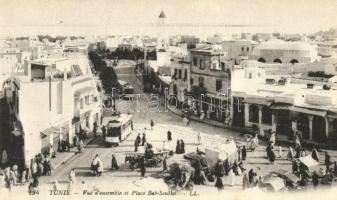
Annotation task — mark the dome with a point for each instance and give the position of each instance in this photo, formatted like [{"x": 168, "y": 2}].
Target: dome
[{"x": 283, "y": 45}]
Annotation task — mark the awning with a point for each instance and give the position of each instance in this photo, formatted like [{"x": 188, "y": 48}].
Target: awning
[
  {"x": 84, "y": 90},
  {"x": 308, "y": 161},
  {"x": 259, "y": 101},
  {"x": 49, "y": 131},
  {"x": 280, "y": 106},
  {"x": 322, "y": 113},
  {"x": 332, "y": 115}
]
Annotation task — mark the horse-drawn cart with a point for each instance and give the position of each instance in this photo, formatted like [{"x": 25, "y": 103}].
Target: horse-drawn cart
[{"x": 134, "y": 159}]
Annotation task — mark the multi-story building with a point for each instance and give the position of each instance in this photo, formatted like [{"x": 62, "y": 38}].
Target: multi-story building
[
  {"x": 284, "y": 103},
  {"x": 180, "y": 82},
  {"x": 210, "y": 82},
  {"x": 238, "y": 50},
  {"x": 53, "y": 100}
]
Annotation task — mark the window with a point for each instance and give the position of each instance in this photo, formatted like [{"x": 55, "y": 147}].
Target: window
[
  {"x": 179, "y": 73},
  {"x": 247, "y": 49},
  {"x": 213, "y": 65},
  {"x": 195, "y": 62},
  {"x": 185, "y": 75},
  {"x": 81, "y": 103},
  {"x": 86, "y": 98},
  {"x": 266, "y": 115},
  {"x": 218, "y": 85},
  {"x": 242, "y": 49},
  {"x": 201, "y": 81},
  {"x": 191, "y": 81},
  {"x": 223, "y": 66},
  {"x": 175, "y": 72},
  {"x": 201, "y": 64},
  {"x": 253, "y": 114}
]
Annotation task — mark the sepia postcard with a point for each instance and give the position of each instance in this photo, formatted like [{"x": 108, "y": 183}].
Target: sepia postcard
[{"x": 168, "y": 99}]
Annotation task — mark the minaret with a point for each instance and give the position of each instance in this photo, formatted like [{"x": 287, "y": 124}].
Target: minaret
[{"x": 162, "y": 36}]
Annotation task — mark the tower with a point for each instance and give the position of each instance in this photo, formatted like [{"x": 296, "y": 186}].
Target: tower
[
  {"x": 162, "y": 35},
  {"x": 163, "y": 55}
]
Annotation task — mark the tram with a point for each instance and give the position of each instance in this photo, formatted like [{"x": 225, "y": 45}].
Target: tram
[{"x": 118, "y": 128}]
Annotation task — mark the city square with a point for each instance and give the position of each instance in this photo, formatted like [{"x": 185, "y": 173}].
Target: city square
[{"x": 172, "y": 109}]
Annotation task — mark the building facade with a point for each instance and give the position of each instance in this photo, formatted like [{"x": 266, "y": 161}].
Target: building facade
[
  {"x": 210, "y": 83},
  {"x": 62, "y": 94},
  {"x": 280, "y": 51},
  {"x": 284, "y": 105}
]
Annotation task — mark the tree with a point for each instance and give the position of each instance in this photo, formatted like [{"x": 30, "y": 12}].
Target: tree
[{"x": 109, "y": 79}]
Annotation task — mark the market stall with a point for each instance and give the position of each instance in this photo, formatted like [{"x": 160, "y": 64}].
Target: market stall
[{"x": 227, "y": 151}]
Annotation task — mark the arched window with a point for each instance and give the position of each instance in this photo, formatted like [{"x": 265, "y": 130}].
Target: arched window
[
  {"x": 277, "y": 60},
  {"x": 294, "y": 61},
  {"x": 261, "y": 60}
]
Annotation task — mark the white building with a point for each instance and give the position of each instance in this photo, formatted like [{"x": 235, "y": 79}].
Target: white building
[
  {"x": 280, "y": 51},
  {"x": 284, "y": 104},
  {"x": 54, "y": 98}
]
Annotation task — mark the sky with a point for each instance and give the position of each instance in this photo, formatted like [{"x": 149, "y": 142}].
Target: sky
[{"x": 19, "y": 16}]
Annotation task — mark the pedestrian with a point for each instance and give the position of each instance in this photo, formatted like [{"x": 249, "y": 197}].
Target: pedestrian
[
  {"x": 94, "y": 164},
  {"x": 219, "y": 184},
  {"x": 114, "y": 164},
  {"x": 40, "y": 168},
  {"x": 80, "y": 146},
  {"x": 199, "y": 138},
  {"x": 103, "y": 131},
  {"x": 138, "y": 139},
  {"x": 151, "y": 124},
  {"x": 72, "y": 176},
  {"x": 314, "y": 154},
  {"x": 291, "y": 153},
  {"x": 255, "y": 143},
  {"x": 327, "y": 161},
  {"x": 219, "y": 169},
  {"x": 245, "y": 181},
  {"x": 244, "y": 153},
  {"x": 143, "y": 139},
  {"x": 136, "y": 145},
  {"x": 178, "y": 147},
  {"x": 280, "y": 151},
  {"x": 169, "y": 136},
  {"x": 4, "y": 158},
  {"x": 239, "y": 153},
  {"x": 295, "y": 167},
  {"x": 251, "y": 175},
  {"x": 131, "y": 125},
  {"x": 95, "y": 129},
  {"x": 272, "y": 139},
  {"x": 268, "y": 150},
  {"x": 272, "y": 157},
  {"x": 335, "y": 169},
  {"x": 182, "y": 146},
  {"x": 99, "y": 167},
  {"x": 303, "y": 153},
  {"x": 142, "y": 167},
  {"x": 315, "y": 180},
  {"x": 231, "y": 176},
  {"x": 75, "y": 140},
  {"x": 165, "y": 163}
]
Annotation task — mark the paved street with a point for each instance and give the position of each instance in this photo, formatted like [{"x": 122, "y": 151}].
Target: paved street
[{"x": 163, "y": 122}]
